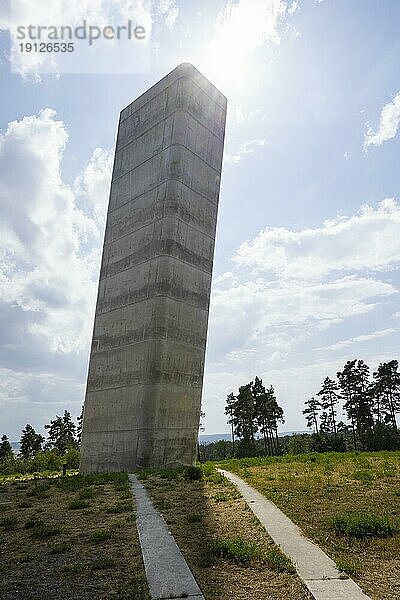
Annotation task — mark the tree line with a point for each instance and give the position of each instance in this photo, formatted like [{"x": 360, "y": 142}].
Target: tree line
[
  {"x": 369, "y": 403},
  {"x": 253, "y": 415},
  {"x": 37, "y": 453}
]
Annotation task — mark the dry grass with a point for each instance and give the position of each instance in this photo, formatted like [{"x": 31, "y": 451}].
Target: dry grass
[
  {"x": 69, "y": 538},
  {"x": 227, "y": 549},
  {"x": 314, "y": 489}
]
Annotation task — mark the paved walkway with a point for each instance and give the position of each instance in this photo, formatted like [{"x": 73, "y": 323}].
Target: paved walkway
[
  {"x": 314, "y": 567},
  {"x": 167, "y": 572}
]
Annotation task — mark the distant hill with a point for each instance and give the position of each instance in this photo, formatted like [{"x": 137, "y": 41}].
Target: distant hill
[{"x": 215, "y": 437}]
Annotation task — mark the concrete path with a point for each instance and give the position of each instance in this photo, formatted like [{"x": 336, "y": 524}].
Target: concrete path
[
  {"x": 167, "y": 572},
  {"x": 314, "y": 567}
]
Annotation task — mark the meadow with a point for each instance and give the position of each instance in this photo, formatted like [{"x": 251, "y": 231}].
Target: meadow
[
  {"x": 76, "y": 536},
  {"x": 348, "y": 503}
]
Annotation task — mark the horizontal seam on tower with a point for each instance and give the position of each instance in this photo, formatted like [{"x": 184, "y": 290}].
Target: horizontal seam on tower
[
  {"x": 143, "y": 341},
  {"x": 156, "y": 221},
  {"x": 118, "y": 387},
  {"x": 102, "y": 277},
  {"x": 158, "y": 153},
  {"x": 146, "y": 300},
  {"x": 182, "y": 110},
  {"x": 158, "y": 185}
]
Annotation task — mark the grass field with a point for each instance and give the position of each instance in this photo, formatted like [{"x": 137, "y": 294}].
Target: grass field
[
  {"x": 349, "y": 504},
  {"x": 227, "y": 549},
  {"x": 68, "y": 538},
  {"x": 75, "y": 537}
]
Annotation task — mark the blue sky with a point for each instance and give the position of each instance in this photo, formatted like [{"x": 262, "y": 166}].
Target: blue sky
[{"x": 307, "y": 253}]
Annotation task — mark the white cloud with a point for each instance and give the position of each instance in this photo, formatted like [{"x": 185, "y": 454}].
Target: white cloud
[
  {"x": 242, "y": 150},
  {"x": 283, "y": 307},
  {"x": 49, "y": 247},
  {"x": 31, "y": 65},
  {"x": 367, "y": 337},
  {"x": 368, "y": 240},
  {"x": 388, "y": 125}
]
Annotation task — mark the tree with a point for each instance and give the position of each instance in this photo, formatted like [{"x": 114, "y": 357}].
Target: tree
[
  {"x": 263, "y": 414},
  {"x": 61, "y": 434},
  {"x": 355, "y": 387},
  {"x": 245, "y": 417},
  {"x": 329, "y": 394},
  {"x": 5, "y": 448},
  {"x": 230, "y": 411},
  {"x": 79, "y": 427},
  {"x": 386, "y": 390},
  {"x": 311, "y": 413},
  {"x": 30, "y": 442}
]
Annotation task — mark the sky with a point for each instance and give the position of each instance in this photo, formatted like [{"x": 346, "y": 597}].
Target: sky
[{"x": 308, "y": 247}]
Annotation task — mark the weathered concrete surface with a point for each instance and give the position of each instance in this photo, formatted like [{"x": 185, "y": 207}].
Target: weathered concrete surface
[
  {"x": 145, "y": 376},
  {"x": 314, "y": 567},
  {"x": 167, "y": 572}
]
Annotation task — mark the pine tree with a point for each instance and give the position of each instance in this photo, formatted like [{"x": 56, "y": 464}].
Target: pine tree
[
  {"x": 263, "y": 413},
  {"x": 355, "y": 387},
  {"x": 30, "y": 442},
  {"x": 246, "y": 422},
  {"x": 5, "y": 448},
  {"x": 61, "y": 433},
  {"x": 275, "y": 416},
  {"x": 230, "y": 411},
  {"x": 386, "y": 390},
  {"x": 329, "y": 394},
  {"x": 311, "y": 412}
]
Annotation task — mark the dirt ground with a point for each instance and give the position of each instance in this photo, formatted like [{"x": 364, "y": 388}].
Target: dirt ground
[{"x": 70, "y": 538}]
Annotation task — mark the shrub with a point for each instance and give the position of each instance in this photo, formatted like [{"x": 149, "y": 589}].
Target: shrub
[
  {"x": 349, "y": 567},
  {"x": 363, "y": 525},
  {"x": 101, "y": 535},
  {"x": 278, "y": 561},
  {"x": 193, "y": 473},
  {"x": 194, "y": 518},
  {"x": 77, "y": 504},
  {"x": 42, "y": 532},
  {"x": 236, "y": 550},
  {"x": 103, "y": 562},
  {"x": 362, "y": 475},
  {"x": 86, "y": 494}
]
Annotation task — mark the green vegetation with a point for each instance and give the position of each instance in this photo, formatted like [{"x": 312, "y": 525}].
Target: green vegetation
[
  {"x": 346, "y": 502},
  {"x": 242, "y": 551},
  {"x": 254, "y": 410},
  {"x": 101, "y": 535},
  {"x": 37, "y": 455},
  {"x": 86, "y": 552},
  {"x": 103, "y": 562},
  {"x": 77, "y": 504},
  {"x": 349, "y": 567},
  {"x": 363, "y": 525},
  {"x": 227, "y": 549},
  {"x": 370, "y": 406}
]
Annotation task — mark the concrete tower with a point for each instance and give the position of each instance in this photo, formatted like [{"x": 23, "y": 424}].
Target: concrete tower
[{"x": 146, "y": 365}]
